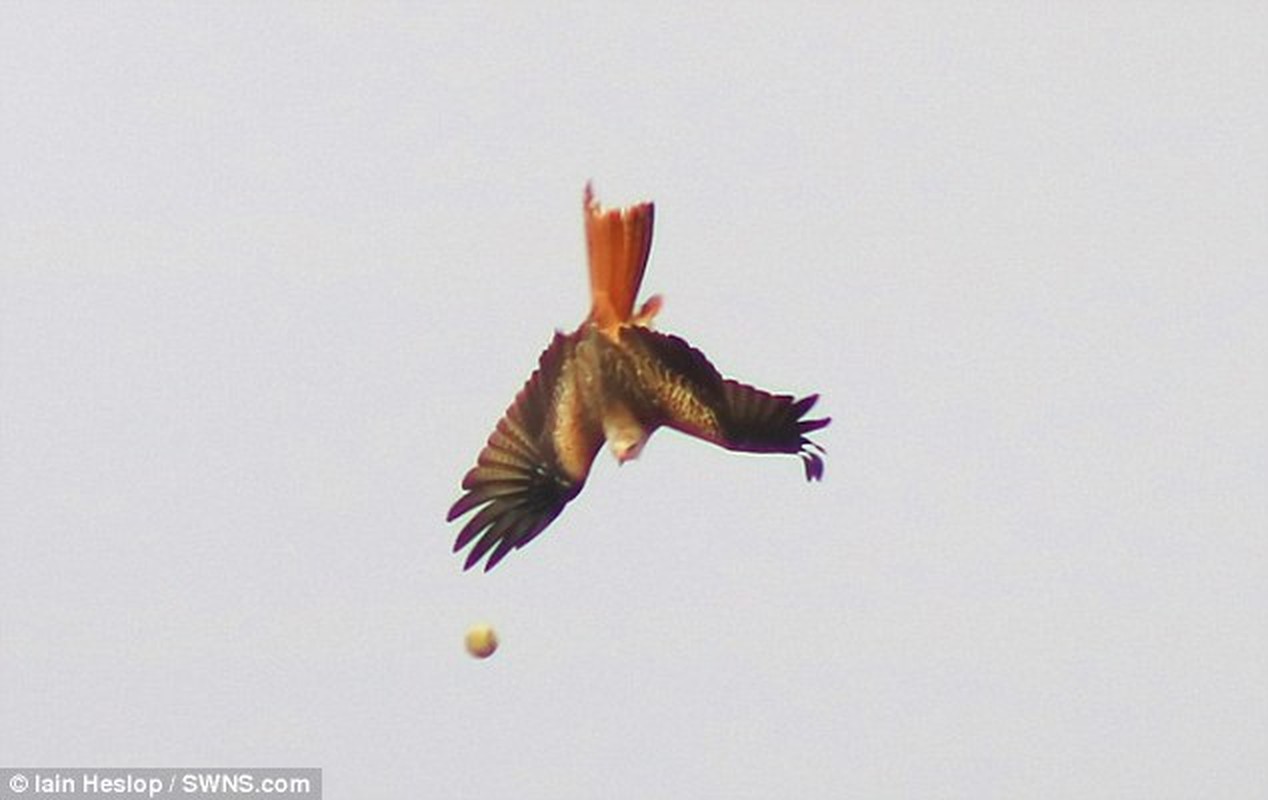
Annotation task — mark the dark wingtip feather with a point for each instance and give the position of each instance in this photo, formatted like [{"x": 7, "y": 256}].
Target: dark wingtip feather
[
  {"x": 809, "y": 425},
  {"x": 812, "y": 460},
  {"x": 803, "y": 405},
  {"x": 814, "y": 465},
  {"x": 462, "y": 506}
]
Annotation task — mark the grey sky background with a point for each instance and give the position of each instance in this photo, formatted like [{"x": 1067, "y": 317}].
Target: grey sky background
[{"x": 269, "y": 274}]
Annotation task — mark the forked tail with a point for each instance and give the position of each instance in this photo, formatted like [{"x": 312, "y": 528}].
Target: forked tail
[{"x": 619, "y": 241}]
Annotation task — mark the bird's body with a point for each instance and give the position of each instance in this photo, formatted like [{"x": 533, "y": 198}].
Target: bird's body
[{"x": 613, "y": 379}]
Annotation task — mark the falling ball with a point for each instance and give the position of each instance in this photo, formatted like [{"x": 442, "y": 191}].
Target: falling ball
[{"x": 481, "y": 640}]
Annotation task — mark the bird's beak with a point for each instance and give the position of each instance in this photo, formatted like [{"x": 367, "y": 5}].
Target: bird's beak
[{"x": 629, "y": 454}]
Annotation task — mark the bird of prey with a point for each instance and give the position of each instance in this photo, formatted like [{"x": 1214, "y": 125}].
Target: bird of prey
[{"x": 616, "y": 379}]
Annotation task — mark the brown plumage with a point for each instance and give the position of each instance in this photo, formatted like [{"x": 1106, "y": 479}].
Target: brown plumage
[{"x": 613, "y": 379}]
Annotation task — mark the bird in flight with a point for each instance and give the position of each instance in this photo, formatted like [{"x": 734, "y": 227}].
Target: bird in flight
[{"x": 613, "y": 379}]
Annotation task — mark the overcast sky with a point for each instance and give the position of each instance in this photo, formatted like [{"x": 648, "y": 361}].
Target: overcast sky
[{"x": 270, "y": 273}]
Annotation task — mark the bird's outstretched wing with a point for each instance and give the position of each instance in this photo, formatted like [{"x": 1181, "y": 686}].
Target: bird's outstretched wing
[
  {"x": 692, "y": 396},
  {"x": 535, "y": 462}
]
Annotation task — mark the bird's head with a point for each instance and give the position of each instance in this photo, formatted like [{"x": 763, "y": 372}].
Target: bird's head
[
  {"x": 625, "y": 435},
  {"x": 626, "y": 449}
]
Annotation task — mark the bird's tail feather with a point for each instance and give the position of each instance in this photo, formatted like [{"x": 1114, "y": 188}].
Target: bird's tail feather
[{"x": 619, "y": 241}]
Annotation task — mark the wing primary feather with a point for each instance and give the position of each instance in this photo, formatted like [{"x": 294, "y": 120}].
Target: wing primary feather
[{"x": 519, "y": 486}]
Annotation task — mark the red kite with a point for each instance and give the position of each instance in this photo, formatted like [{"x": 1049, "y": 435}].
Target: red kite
[{"x": 613, "y": 379}]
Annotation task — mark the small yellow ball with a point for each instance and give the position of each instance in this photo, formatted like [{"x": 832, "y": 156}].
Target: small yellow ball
[{"x": 481, "y": 640}]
